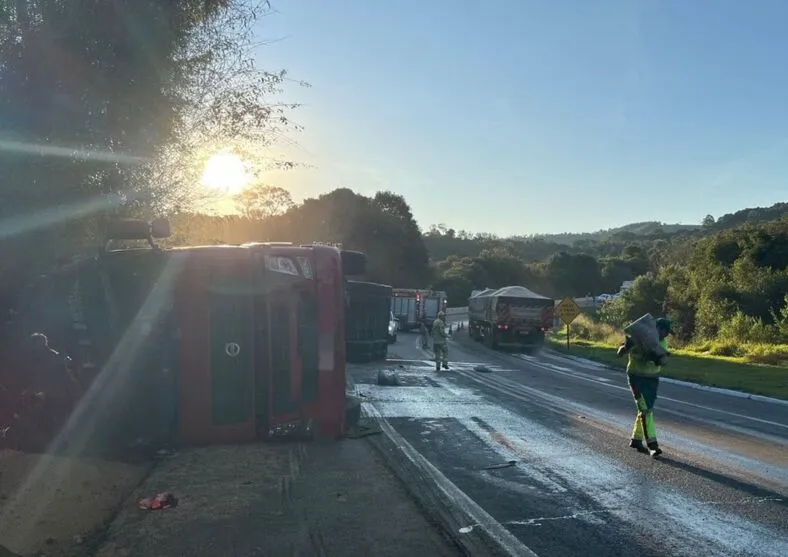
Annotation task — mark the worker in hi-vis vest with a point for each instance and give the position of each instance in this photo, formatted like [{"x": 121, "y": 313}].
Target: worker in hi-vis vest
[
  {"x": 643, "y": 378},
  {"x": 440, "y": 342}
]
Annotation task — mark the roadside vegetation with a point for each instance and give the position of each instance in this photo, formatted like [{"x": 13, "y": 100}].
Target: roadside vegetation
[
  {"x": 757, "y": 368},
  {"x": 726, "y": 295}
]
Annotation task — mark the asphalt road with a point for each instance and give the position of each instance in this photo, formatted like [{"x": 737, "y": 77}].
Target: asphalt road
[{"x": 540, "y": 444}]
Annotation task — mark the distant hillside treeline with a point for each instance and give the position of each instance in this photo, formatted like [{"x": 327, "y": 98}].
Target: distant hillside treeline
[
  {"x": 442, "y": 242},
  {"x": 710, "y": 278}
]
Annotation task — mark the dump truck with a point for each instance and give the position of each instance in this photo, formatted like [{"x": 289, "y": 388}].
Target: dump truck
[
  {"x": 512, "y": 317},
  {"x": 409, "y": 305}
]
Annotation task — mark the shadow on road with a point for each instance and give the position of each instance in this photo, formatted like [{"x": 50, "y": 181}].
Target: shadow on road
[{"x": 724, "y": 480}]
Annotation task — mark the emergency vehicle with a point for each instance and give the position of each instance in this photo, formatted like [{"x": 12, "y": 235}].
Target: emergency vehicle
[{"x": 409, "y": 306}]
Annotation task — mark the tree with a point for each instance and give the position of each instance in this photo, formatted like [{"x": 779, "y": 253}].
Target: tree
[
  {"x": 573, "y": 275},
  {"x": 91, "y": 93},
  {"x": 708, "y": 221},
  {"x": 395, "y": 205},
  {"x": 261, "y": 202},
  {"x": 113, "y": 107}
]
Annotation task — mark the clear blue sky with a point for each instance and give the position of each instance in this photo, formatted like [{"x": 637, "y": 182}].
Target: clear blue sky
[{"x": 525, "y": 116}]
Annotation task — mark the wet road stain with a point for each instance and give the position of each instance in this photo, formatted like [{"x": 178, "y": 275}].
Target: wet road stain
[
  {"x": 498, "y": 437},
  {"x": 564, "y": 496}
]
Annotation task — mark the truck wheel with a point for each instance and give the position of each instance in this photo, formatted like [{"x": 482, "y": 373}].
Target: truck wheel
[{"x": 490, "y": 339}]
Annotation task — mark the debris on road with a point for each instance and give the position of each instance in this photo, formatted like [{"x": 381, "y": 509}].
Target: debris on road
[
  {"x": 388, "y": 378},
  {"x": 482, "y": 369},
  {"x": 507, "y": 464},
  {"x": 159, "y": 502}
]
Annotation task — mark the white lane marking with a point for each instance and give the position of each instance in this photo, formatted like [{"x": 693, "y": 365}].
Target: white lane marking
[
  {"x": 692, "y": 404},
  {"x": 494, "y": 529},
  {"x": 584, "y": 377},
  {"x": 528, "y": 394},
  {"x": 587, "y": 364},
  {"x": 612, "y": 485}
]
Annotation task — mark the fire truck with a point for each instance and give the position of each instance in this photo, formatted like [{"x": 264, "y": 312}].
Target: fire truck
[
  {"x": 410, "y": 305},
  {"x": 204, "y": 344}
]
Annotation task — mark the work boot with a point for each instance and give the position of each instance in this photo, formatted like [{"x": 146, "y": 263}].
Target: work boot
[
  {"x": 638, "y": 444},
  {"x": 445, "y": 365},
  {"x": 438, "y": 365},
  {"x": 654, "y": 450}
]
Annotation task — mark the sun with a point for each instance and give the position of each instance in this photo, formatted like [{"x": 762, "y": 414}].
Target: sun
[{"x": 225, "y": 173}]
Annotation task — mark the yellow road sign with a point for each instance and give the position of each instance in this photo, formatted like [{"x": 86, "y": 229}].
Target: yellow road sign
[{"x": 567, "y": 310}]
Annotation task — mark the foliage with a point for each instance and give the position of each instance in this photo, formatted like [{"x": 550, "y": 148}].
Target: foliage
[
  {"x": 732, "y": 292},
  {"x": 714, "y": 282},
  {"x": 382, "y": 226},
  {"x": 260, "y": 202},
  {"x": 111, "y": 107}
]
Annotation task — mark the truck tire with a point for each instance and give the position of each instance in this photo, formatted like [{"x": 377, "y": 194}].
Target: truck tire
[{"x": 489, "y": 339}]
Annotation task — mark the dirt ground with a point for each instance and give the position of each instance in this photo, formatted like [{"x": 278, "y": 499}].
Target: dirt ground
[
  {"x": 276, "y": 499},
  {"x": 54, "y": 505}
]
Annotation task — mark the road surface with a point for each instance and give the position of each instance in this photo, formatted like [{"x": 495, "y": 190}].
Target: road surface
[{"x": 539, "y": 445}]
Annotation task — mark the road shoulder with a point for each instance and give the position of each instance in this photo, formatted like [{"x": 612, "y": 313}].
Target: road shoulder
[
  {"x": 316, "y": 498},
  {"x": 724, "y": 376}
]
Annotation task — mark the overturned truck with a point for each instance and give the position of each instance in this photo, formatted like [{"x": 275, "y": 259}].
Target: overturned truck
[
  {"x": 193, "y": 345},
  {"x": 511, "y": 317}
]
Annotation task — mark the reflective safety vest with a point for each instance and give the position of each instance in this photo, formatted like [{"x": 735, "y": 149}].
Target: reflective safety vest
[{"x": 639, "y": 364}]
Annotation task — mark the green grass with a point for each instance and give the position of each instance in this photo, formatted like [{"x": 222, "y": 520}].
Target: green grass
[{"x": 692, "y": 364}]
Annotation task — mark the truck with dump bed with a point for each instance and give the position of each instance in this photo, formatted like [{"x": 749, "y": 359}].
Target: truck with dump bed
[
  {"x": 409, "y": 305},
  {"x": 512, "y": 317}
]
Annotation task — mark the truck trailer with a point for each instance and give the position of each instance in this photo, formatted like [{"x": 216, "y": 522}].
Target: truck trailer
[
  {"x": 410, "y": 305},
  {"x": 512, "y": 317}
]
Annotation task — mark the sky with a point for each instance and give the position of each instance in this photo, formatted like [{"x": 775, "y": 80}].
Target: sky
[{"x": 537, "y": 116}]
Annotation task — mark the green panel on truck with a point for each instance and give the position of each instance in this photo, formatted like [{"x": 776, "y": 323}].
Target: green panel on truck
[
  {"x": 308, "y": 347},
  {"x": 232, "y": 357},
  {"x": 281, "y": 396}
]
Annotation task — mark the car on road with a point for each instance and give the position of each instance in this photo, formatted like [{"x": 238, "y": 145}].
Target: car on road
[{"x": 393, "y": 328}]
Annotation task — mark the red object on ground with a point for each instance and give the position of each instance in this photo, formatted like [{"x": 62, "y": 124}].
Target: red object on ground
[{"x": 161, "y": 501}]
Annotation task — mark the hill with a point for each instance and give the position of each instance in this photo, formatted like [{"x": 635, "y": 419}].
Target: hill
[
  {"x": 442, "y": 243},
  {"x": 757, "y": 214},
  {"x": 648, "y": 228}
]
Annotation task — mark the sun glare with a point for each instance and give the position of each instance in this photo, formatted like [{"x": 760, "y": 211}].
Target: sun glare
[{"x": 225, "y": 173}]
